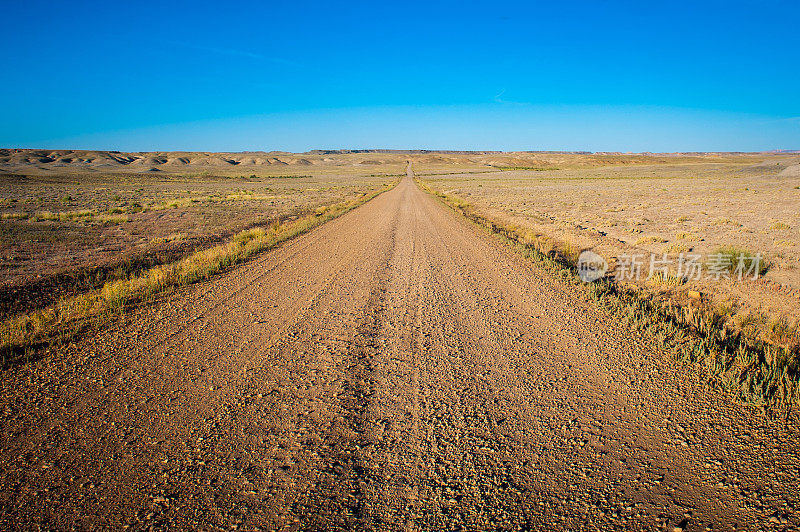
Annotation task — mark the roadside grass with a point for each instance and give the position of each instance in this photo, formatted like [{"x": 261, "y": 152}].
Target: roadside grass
[
  {"x": 734, "y": 359},
  {"x": 70, "y": 316}
]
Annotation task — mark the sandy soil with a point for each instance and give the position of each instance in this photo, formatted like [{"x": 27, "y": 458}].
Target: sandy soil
[{"x": 394, "y": 369}]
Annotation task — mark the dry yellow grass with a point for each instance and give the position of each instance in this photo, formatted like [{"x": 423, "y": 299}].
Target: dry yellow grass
[
  {"x": 687, "y": 235},
  {"x": 69, "y": 314},
  {"x": 678, "y": 248},
  {"x": 780, "y": 226},
  {"x": 652, "y": 239}
]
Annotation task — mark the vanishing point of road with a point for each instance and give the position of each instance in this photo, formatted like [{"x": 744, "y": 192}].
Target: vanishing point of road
[{"x": 394, "y": 369}]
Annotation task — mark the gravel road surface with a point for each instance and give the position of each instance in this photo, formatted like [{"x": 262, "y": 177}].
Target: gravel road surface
[{"x": 395, "y": 369}]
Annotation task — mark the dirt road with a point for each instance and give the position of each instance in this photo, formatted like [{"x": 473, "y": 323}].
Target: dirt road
[{"x": 394, "y": 369}]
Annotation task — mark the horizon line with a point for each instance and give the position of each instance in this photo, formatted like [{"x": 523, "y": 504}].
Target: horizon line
[{"x": 412, "y": 151}]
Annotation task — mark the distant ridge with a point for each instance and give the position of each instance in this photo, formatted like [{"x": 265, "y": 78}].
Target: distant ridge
[{"x": 19, "y": 161}]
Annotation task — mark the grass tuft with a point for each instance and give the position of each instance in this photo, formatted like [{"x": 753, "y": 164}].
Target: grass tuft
[
  {"x": 678, "y": 247},
  {"x": 654, "y": 239},
  {"x": 731, "y": 255},
  {"x": 662, "y": 279}
]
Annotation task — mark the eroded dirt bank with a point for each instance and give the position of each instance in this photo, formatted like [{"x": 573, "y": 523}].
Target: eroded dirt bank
[{"x": 395, "y": 368}]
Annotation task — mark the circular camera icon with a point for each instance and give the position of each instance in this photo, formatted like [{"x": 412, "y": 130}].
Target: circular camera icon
[{"x": 591, "y": 266}]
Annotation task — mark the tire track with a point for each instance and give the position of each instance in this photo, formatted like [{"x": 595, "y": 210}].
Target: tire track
[{"x": 395, "y": 369}]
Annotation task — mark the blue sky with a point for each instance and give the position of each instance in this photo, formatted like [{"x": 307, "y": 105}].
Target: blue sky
[{"x": 598, "y": 75}]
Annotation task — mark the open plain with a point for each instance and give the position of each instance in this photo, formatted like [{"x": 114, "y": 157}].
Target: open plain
[
  {"x": 438, "y": 266},
  {"x": 73, "y": 220},
  {"x": 397, "y": 368},
  {"x": 656, "y": 207}
]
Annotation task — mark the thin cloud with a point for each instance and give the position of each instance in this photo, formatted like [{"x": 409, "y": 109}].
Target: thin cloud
[
  {"x": 497, "y": 99},
  {"x": 235, "y": 52}
]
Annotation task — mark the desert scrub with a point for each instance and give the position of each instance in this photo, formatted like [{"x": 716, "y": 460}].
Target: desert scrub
[
  {"x": 731, "y": 256},
  {"x": 76, "y": 215},
  {"x": 653, "y": 239},
  {"x": 780, "y": 332},
  {"x": 71, "y": 315},
  {"x": 44, "y": 215},
  {"x": 13, "y": 216},
  {"x": 664, "y": 279},
  {"x": 688, "y": 235},
  {"x": 243, "y": 195},
  {"x": 110, "y": 219},
  {"x": 679, "y": 247},
  {"x": 170, "y": 238},
  {"x": 739, "y": 362},
  {"x": 726, "y": 221},
  {"x": 63, "y": 216}
]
